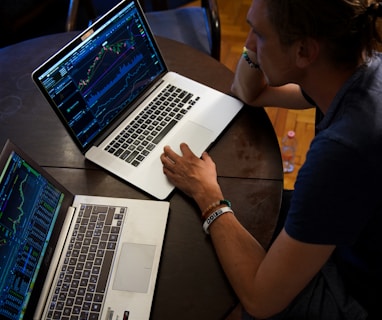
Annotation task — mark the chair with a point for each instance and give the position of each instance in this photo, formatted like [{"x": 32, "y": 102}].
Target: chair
[{"x": 197, "y": 26}]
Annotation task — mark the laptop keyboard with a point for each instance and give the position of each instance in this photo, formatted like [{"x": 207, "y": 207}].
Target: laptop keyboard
[
  {"x": 140, "y": 137},
  {"x": 81, "y": 286}
]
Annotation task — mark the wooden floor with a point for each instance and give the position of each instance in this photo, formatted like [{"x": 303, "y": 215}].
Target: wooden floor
[{"x": 234, "y": 32}]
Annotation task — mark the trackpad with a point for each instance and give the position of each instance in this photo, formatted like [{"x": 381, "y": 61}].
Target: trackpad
[
  {"x": 196, "y": 136},
  {"x": 134, "y": 267}
]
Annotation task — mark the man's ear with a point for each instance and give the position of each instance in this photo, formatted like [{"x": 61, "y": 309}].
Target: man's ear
[{"x": 307, "y": 51}]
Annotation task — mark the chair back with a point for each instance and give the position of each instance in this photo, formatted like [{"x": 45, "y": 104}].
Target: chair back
[
  {"x": 212, "y": 16},
  {"x": 157, "y": 5},
  {"x": 189, "y": 24}
]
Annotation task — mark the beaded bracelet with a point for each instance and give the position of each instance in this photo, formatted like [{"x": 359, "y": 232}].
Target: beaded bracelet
[
  {"x": 216, "y": 214},
  {"x": 214, "y": 205},
  {"x": 249, "y": 60}
]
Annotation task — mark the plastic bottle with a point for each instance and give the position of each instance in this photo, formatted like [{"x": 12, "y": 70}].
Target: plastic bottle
[{"x": 288, "y": 151}]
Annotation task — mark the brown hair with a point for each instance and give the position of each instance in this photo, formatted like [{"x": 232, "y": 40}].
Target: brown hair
[{"x": 348, "y": 28}]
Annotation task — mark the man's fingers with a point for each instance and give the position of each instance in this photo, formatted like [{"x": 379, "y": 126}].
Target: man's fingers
[
  {"x": 185, "y": 149},
  {"x": 170, "y": 154},
  {"x": 167, "y": 161}
]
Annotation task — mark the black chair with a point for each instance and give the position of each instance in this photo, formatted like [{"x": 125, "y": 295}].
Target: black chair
[{"x": 197, "y": 26}]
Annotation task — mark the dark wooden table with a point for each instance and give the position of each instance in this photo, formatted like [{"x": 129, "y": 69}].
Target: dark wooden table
[{"x": 191, "y": 283}]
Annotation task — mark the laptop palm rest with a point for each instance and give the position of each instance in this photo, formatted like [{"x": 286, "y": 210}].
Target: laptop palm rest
[{"x": 134, "y": 267}]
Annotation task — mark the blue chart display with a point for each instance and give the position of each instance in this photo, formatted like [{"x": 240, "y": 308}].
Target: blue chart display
[
  {"x": 114, "y": 72},
  {"x": 97, "y": 81},
  {"x": 125, "y": 72},
  {"x": 28, "y": 205}
]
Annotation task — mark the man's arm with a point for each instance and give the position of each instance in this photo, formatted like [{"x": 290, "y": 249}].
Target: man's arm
[
  {"x": 265, "y": 282},
  {"x": 250, "y": 86}
]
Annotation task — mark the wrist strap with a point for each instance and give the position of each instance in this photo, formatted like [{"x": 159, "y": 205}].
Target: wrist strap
[
  {"x": 213, "y": 217},
  {"x": 246, "y": 57},
  {"x": 214, "y": 205}
]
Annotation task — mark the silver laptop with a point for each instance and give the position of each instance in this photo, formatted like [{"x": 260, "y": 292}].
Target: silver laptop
[
  {"x": 73, "y": 257},
  {"x": 113, "y": 92}
]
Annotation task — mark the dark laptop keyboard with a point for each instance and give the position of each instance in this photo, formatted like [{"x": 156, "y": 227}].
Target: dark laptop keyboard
[
  {"x": 141, "y": 136},
  {"x": 81, "y": 286}
]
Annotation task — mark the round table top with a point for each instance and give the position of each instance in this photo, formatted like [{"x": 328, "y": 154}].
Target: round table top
[{"x": 191, "y": 283}]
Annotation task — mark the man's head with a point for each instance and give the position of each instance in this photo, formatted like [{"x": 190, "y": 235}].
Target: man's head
[
  {"x": 316, "y": 44},
  {"x": 346, "y": 29}
]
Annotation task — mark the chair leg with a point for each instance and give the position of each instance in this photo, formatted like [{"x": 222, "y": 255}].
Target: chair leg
[{"x": 72, "y": 15}]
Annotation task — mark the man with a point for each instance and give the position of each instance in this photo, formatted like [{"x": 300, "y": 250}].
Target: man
[{"x": 324, "y": 264}]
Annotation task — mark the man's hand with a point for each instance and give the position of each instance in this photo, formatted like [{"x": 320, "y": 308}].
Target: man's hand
[{"x": 195, "y": 176}]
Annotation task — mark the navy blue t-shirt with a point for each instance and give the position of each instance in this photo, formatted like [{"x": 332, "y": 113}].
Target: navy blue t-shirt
[{"x": 338, "y": 194}]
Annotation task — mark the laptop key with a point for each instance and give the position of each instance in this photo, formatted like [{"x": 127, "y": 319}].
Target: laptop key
[
  {"x": 108, "y": 259},
  {"x": 187, "y": 97},
  {"x": 163, "y": 133},
  {"x": 132, "y": 156}
]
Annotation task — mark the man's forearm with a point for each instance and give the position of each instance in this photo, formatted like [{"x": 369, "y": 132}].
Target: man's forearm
[{"x": 248, "y": 82}]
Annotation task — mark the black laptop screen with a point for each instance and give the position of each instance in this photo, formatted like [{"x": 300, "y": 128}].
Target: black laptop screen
[
  {"x": 98, "y": 79},
  {"x": 29, "y": 206}
]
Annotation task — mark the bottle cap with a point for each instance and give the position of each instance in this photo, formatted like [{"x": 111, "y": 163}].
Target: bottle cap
[{"x": 291, "y": 134}]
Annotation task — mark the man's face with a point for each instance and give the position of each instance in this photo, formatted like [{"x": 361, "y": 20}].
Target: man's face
[{"x": 276, "y": 61}]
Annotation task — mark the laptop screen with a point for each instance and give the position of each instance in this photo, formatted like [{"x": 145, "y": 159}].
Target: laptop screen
[
  {"x": 93, "y": 82},
  {"x": 29, "y": 208}
]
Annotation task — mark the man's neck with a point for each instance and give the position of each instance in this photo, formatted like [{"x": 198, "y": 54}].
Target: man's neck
[{"x": 322, "y": 84}]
